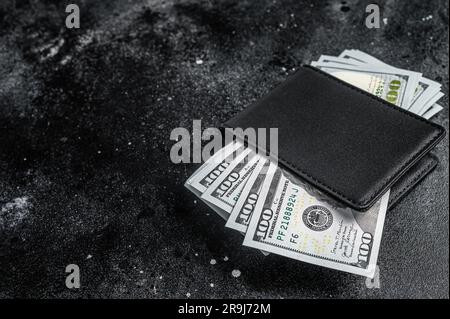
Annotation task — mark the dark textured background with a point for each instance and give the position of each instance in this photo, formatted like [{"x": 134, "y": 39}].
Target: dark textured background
[{"x": 85, "y": 118}]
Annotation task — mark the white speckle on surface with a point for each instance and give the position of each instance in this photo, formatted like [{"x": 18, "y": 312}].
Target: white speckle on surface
[
  {"x": 211, "y": 285},
  {"x": 65, "y": 59},
  {"x": 195, "y": 201},
  {"x": 141, "y": 282},
  {"x": 129, "y": 143},
  {"x": 188, "y": 294},
  {"x": 236, "y": 273},
  {"x": 160, "y": 277},
  {"x": 196, "y": 254},
  {"x": 213, "y": 262},
  {"x": 225, "y": 258},
  {"x": 51, "y": 48},
  {"x": 19, "y": 203},
  {"x": 86, "y": 39},
  {"x": 141, "y": 271},
  {"x": 14, "y": 212},
  {"x": 385, "y": 20},
  {"x": 198, "y": 61},
  {"x": 89, "y": 256}
]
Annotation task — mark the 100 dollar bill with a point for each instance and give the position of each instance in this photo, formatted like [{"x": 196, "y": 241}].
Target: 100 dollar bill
[
  {"x": 394, "y": 86},
  {"x": 242, "y": 212},
  {"x": 226, "y": 189},
  {"x": 213, "y": 167},
  {"x": 290, "y": 222},
  {"x": 425, "y": 95}
]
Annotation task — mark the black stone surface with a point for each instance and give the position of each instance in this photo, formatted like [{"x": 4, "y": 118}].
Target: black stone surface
[{"x": 85, "y": 119}]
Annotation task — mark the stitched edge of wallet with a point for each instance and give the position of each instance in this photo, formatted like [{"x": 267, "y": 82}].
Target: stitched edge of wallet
[
  {"x": 432, "y": 140},
  {"x": 421, "y": 174}
]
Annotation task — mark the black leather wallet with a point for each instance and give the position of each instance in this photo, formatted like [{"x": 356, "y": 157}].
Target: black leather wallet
[{"x": 342, "y": 140}]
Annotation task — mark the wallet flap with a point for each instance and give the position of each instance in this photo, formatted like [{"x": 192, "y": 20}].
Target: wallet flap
[{"x": 346, "y": 142}]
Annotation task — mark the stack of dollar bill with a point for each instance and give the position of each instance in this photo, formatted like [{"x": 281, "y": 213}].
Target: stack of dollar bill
[
  {"x": 406, "y": 89},
  {"x": 279, "y": 214}
]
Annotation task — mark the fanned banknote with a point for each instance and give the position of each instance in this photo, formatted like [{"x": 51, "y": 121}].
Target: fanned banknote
[
  {"x": 210, "y": 170},
  {"x": 242, "y": 212},
  {"x": 213, "y": 167},
  {"x": 421, "y": 100},
  {"x": 226, "y": 189},
  {"x": 288, "y": 221},
  {"x": 394, "y": 86}
]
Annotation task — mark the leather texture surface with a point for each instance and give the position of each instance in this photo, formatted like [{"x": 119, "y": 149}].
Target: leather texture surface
[
  {"x": 340, "y": 139},
  {"x": 409, "y": 180}
]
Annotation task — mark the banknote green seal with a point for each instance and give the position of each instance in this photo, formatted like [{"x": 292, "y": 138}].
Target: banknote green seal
[{"x": 317, "y": 218}]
